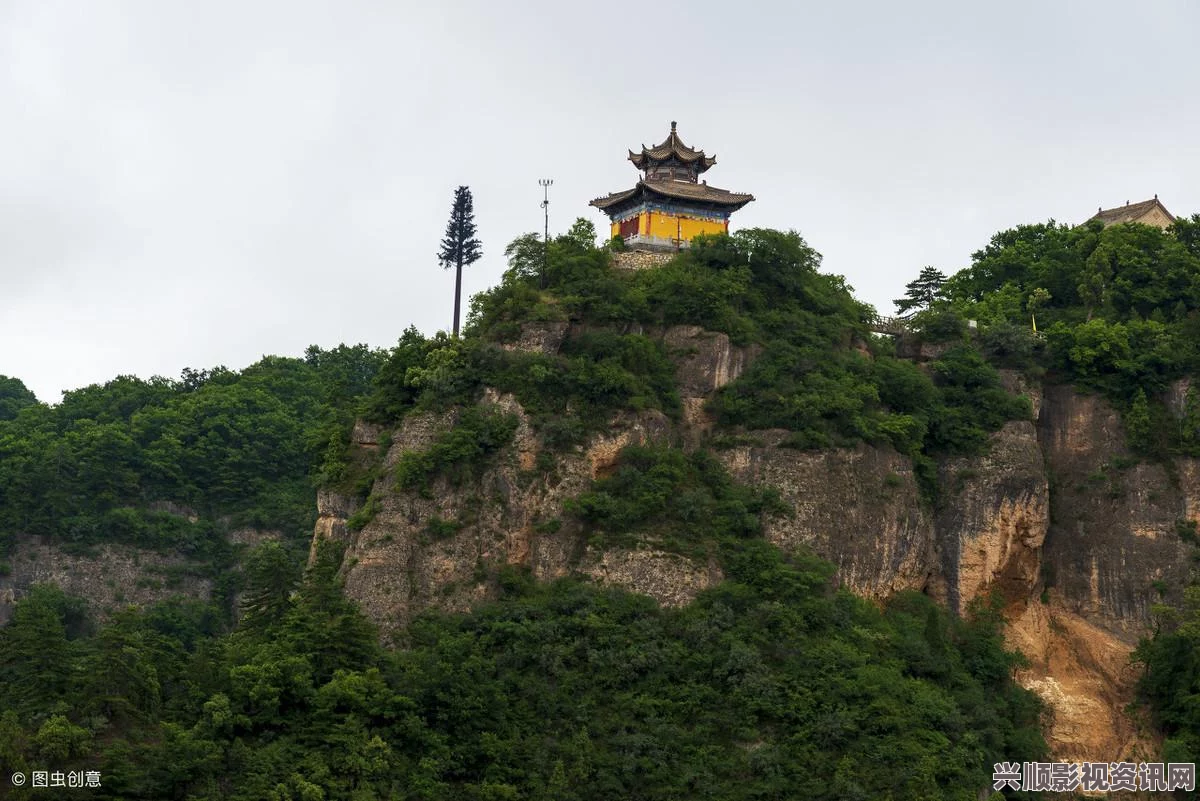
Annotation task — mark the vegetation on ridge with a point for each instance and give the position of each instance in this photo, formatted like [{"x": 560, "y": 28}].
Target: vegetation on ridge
[
  {"x": 773, "y": 684},
  {"x": 819, "y": 373},
  {"x": 175, "y": 465},
  {"x": 1119, "y": 308}
]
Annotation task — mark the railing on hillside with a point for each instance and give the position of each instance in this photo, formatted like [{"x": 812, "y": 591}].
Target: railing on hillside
[{"x": 890, "y": 326}]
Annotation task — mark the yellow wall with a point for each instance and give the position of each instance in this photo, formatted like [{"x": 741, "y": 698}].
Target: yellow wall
[
  {"x": 668, "y": 226},
  {"x": 664, "y": 226}
]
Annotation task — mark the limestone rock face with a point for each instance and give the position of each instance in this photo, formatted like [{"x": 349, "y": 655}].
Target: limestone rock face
[
  {"x": 1074, "y": 533},
  {"x": 544, "y": 337},
  {"x": 440, "y": 549},
  {"x": 991, "y": 529},
  {"x": 110, "y": 577},
  {"x": 858, "y": 508},
  {"x": 1113, "y": 531},
  {"x": 333, "y": 509},
  {"x": 1017, "y": 383},
  {"x": 705, "y": 360},
  {"x": 668, "y": 578},
  {"x": 1177, "y": 396}
]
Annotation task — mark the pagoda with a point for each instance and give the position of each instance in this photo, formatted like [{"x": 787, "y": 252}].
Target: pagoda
[{"x": 670, "y": 205}]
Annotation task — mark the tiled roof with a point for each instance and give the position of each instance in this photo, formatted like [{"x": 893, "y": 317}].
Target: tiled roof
[
  {"x": 676, "y": 190},
  {"x": 615, "y": 197},
  {"x": 1130, "y": 212},
  {"x": 672, "y": 146}
]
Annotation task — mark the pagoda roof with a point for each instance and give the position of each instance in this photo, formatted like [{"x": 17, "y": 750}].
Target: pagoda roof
[
  {"x": 673, "y": 146},
  {"x": 1130, "y": 212},
  {"x": 675, "y": 190}
]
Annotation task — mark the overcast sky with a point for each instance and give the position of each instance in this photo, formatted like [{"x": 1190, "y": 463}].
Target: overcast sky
[{"x": 186, "y": 184}]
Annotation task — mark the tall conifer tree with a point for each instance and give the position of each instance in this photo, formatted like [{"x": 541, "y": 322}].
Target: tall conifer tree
[
  {"x": 459, "y": 246},
  {"x": 921, "y": 292}
]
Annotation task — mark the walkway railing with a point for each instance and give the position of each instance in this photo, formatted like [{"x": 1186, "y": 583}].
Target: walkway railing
[{"x": 891, "y": 326}]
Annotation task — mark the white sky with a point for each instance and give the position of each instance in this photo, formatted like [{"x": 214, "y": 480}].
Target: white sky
[{"x": 185, "y": 184}]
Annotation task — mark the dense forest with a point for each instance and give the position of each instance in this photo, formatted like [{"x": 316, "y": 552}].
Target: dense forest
[{"x": 774, "y": 684}]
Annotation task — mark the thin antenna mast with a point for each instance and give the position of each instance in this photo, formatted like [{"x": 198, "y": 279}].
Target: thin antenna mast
[{"x": 545, "y": 184}]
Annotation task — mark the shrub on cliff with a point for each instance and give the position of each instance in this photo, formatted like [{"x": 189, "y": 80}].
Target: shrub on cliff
[
  {"x": 676, "y": 501},
  {"x": 459, "y": 453}
]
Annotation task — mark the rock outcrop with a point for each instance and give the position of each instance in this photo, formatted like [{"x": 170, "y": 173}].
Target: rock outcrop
[
  {"x": 858, "y": 508},
  {"x": 1113, "y": 541},
  {"x": 440, "y": 549},
  {"x": 109, "y": 577},
  {"x": 1076, "y": 536},
  {"x": 993, "y": 523}
]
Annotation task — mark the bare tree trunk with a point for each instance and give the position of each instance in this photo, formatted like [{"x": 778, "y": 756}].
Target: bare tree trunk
[{"x": 457, "y": 293}]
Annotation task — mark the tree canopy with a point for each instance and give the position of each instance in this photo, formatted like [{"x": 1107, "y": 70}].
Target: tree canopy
[
  {"x": 111, "y": 461},
  {"x": 922, "y": 291},
  {"x": 460, "y": 247}
]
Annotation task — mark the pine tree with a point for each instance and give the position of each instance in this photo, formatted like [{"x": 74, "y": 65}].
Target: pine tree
[
  {"x": 459, "y": 246},
  {"x": 921, "y": 292}
]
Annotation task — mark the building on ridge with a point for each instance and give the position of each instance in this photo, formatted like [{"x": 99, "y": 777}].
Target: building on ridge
[
  {"x": 1148, "y": 212},
  {"x": 670, "y": 206}
]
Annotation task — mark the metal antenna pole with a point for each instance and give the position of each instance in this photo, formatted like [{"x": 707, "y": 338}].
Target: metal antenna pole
[{"x": 545, "y": 184}]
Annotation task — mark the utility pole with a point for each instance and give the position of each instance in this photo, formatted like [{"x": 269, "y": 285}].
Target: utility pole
[{"x": 545, "y": 184}]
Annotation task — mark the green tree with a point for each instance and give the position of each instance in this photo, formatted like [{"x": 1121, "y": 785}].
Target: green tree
[
  {"x": 1138, "y": 426},
  {"x": 14, "y": 396},
  {"x": 1187, "y": 232},
  {"x": 459, "y": 245},
  {"x": 1037, "y": 299},
  {"x": 1095, "y": 286},
  {"x": 272, "y": 574},
  {"x": 581, "y": 234},
  {"x": 922, "y": 291},
  {"x": 37, "y": 649}
]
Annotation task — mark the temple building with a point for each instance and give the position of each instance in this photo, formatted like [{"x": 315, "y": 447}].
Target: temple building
[
  {"x": 1148, "y": 212},
  {"x": 670, "y": 205}
]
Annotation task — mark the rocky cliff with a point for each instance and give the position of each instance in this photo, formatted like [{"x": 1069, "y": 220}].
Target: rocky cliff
[
  {"x": 1079, "y": 538},
  {"x": 441, "y": 548},
  {"x": 112, "y": 577}
]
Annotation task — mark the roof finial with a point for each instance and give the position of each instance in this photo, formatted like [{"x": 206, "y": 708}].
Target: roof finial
[
  {"x": 672, "y": 126},
  {"x": 1156, "y": 196}
]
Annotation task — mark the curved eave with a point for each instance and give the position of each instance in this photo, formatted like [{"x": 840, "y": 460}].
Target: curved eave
[
  {"x": 682, "y": 192},
  {"x": 652, "y": 157},
  {"x": 696, "y": 193},
  {"x": 616, "y": 198}
]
